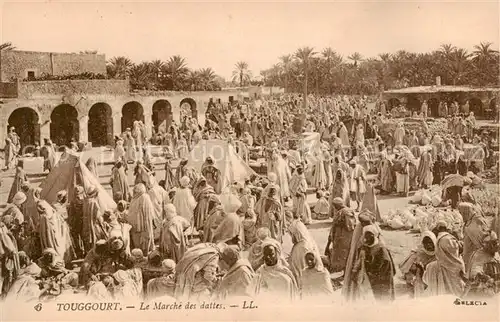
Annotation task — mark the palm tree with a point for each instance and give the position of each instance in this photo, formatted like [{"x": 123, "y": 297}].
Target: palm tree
[
  {"x": 6, "y": 46},
  {"x": 385, "y": 57},
  {"x": 208, "y": 78},
  {"x": 119, "y": 67},
  {"x": 304, "y": 55},
  {"x": 316, "y": 65},
  {"x": 356, "y": 58},
  {"x": 447, "y": 50},
  {"x": 485, "y": 60},
  {"x": 332, "y": 60},
  {"x": 156, "y": 67},
  {"x": 459, "y": 64},
  {"x": 141, "y": 76},
  {"x": 193, "y": 79},
  {"x": 276, "y": 74},
  {"x": 176, "y": 70},
  {"x": 241, "y": 73},
  {"x": 286, "y": 61},
  {"x": 483, "y": 52},
  {"x": 219, "y": 83}
]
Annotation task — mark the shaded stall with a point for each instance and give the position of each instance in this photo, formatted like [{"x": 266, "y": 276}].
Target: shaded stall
[{"x": 478, "y": 98}]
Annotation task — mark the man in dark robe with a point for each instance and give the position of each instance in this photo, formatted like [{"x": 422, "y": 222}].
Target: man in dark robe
[
  {"x": 9, "y": 261},
  {"x": 376, "y": 265},
  {"x": 169, "y": 173},
  {"x": 19, "y": 179},
  {"x": 274, "y": 278},
  {"x": 92, "y": 222},
  {"x": 238, "y": 279},
  {"x": 184, "y": 170},
  {"x": 119, "y": 183},
  {"x": 340, "y": 236},
  {"x": 212, "y": 174},
  {"x": 270, "y": 214},
  {"x": 75, "y": 221},
  {"x": 201, "y": 192},
  {"x": 106, "y": 257}
]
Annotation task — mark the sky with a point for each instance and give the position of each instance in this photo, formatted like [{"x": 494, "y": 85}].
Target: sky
[{"x": 218, "y": 34}]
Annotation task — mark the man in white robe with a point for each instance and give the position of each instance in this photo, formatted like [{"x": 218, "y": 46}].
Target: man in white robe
[
  {"x": 184, "y": 200},
  {"x": 357, "y": 179},
  {"x": 298, "y": 188},
  {"x": 141, "y": 217}
]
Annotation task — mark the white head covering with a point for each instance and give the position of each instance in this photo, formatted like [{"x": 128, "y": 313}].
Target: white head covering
[
  {"x": 137, "y": 254},
  {"x": 184, "y": 181},
  {"x": 429, "y": 234},
  {"x": 170, "y": 211},
  {"x": 139, "y": 189},
  {"x": 230, "y": 203},
  {"x": 168, "y": 265},
  {"x": 272, "y": 177},
  {"x": 19, "y": 198},
  {"x": 121, "y": 276},
  {"x": 372, "y": 229}
]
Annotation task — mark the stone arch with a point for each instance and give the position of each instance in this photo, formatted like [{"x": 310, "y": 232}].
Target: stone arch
[
  {"x": 392, "y": 102},
  {"x": 64, "y": 124},
  {"x": 100, "y": 124},
  {"x": 162, "y": 116},
  {"x": 476, "y": 106},
  {"x": 27, "y": 126},
  {"x": 413, "y": 104},
  {"x": 131, "y": 111},
  {"x": 493, "y": 109},
  {"x": 192, "y": 108},
  {"x": 493, "y": 104},
  {"x": 433, "y": 106}
]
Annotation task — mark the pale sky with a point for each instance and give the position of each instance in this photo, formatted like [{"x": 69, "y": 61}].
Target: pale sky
[{"x": 217, "y": 35}]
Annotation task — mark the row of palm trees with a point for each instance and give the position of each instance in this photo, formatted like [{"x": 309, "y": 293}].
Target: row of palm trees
[
  {"x": 172, "y": 74},
  {"x": 327, "y": 72},
  {"x": 322, "y": 72}
]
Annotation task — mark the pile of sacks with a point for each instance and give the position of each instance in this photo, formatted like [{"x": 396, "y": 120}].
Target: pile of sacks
[
  {"x": 428, "y": 217},
  {"x": 426, "y": 197},
  {"x": 487, "y": 199},
  {"x": 491, "y": 175},
  {"x": 437, "y": 126},
  {"x": 421, "y": 218},
  {"x": 398, "y": 219},
  {"x": 476, "y": 181}
]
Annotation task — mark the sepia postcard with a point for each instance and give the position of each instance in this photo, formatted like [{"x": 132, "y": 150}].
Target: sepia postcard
[{"x": 249, "y": 160}]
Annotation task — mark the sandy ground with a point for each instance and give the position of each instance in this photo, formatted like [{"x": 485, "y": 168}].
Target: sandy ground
[{"x": 399, "y": 242}]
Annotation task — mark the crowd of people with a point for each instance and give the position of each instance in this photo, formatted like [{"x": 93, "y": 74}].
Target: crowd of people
[{"x": 186, "y": 236}]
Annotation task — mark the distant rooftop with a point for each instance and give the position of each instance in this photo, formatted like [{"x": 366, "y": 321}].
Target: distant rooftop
[{"x": 442, "y": 88}]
